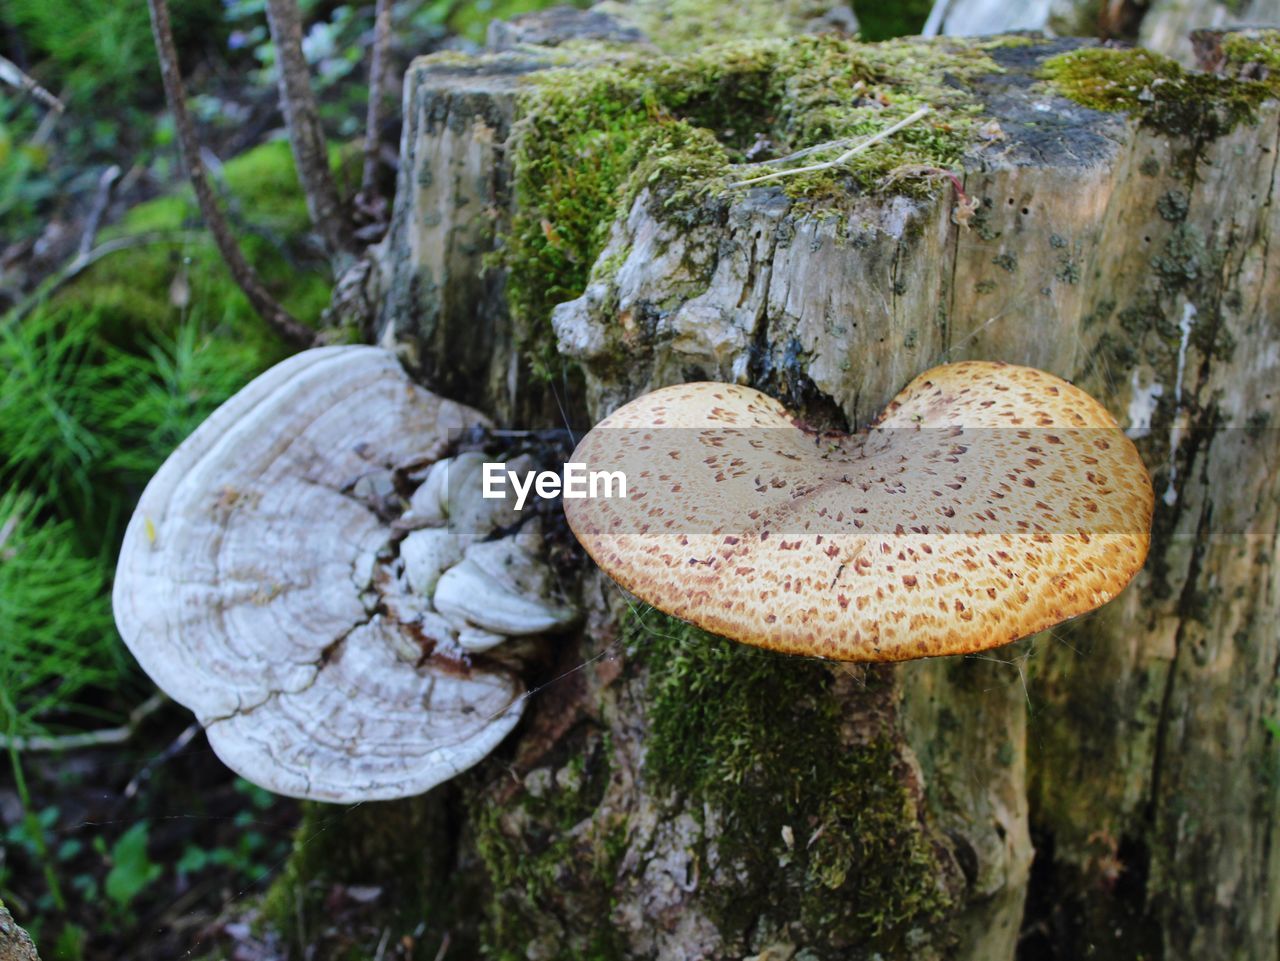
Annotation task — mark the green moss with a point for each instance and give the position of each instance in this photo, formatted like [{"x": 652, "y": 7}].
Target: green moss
[
  {"x": 138, "y": 291},
  {"x": 590, "y": 139},
  {"x": 682, "y": 26},
  {"x": 532, "y": 849},
  {"x": 1155, "y": 89},
  {"x": 758, "y": 739},
  {"x": 585, "y": 135},
  {"x": 406, "y": 842},
  {"x": 1256, "y": 48}
]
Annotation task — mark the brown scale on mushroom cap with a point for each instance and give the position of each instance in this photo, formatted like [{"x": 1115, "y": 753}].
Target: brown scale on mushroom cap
[{"x": 986, "y": 503}]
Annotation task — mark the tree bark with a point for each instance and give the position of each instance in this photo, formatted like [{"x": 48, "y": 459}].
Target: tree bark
[
  {"x": 306, "y": 133},
  {"x": 15, "y": 943},
  {"x": 378, "y": 50},
  {"x": 1108, "y": 789}
]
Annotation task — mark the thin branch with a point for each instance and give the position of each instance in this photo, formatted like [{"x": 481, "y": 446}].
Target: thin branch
[
  {"x": 78, "y": 264},
  {"x": 279, "y": 319},
  {"x": 13, "y": 75},
  {"x": 100, "y": 201},
  {"x": 377, "y": 93},
  {"x": 6, "y": 531},
  {"x": 44, "y": 132},
  {"x": 176, "y": 746},
  {"x": 844, "y": 157},
  {"x": 75, "y": 742},
  {"x": 306, "y": 135},
  {"x": 799, "y": 154}
]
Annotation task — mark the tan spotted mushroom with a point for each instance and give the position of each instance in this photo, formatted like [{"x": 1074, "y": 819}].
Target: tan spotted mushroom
[
  {"x": 988, "y": 502},
  {"x": 264, "y": 583}
]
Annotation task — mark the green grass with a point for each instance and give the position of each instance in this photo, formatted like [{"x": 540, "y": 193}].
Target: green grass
[
  {"x": 97, "y": 385},
  {"x": 54, "y": 614}
]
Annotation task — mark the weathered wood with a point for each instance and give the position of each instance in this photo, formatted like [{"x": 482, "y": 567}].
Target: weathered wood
[
  {"x": 440, "y": 306},
  {"x": 15, "y": 943},
  {"x": 1133, "y": 256}
]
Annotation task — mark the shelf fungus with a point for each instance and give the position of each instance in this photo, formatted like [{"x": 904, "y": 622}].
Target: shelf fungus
[
  {"x": 281, "y": 572},
  {"x": 986, "y": 503}
]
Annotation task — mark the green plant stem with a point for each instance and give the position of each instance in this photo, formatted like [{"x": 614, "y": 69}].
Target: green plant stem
[{"x": 34, "y": 827}]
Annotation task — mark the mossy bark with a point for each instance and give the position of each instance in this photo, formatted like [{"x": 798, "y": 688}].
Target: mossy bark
[{"x": 673, "y": 796}]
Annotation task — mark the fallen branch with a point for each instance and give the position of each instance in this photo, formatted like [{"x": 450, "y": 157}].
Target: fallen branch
[
  {"x": 306, "y": 134},
  {"x": 844, "y": 157},
  {"x": 13, "y": 75},
  {"x": 174, "y": 748},
  {"x": 27, "y": 744},
  {"x": 79, "y": 264},
  {"x": 100, "y": 201},
  {"x": 279, "y": 319},
  {"x": 800, "y": 154}
]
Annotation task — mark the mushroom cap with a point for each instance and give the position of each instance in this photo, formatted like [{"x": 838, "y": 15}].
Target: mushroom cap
[
  {"x": 246, "y": 588},
  {"x": 988, "y": 502}
]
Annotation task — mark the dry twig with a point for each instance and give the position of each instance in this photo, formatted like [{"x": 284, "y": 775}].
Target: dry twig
[
  {"x": 13, "y": 75},
  {"x": 100, "y": 201},
  {"x": 73, "y": 742},
  {"x": 844, "y": 157},
  {"x": 79, "y": 264}
]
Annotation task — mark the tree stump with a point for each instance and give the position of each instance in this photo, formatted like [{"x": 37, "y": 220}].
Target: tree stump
[
  {"x": 567, "y": 236},
  {"x": 15, "y": 943}
]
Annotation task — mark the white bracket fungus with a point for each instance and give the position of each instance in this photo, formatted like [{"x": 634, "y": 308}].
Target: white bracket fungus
[
  {"x": 270, "y": 582},
  {"x": 988, "y": 502}
]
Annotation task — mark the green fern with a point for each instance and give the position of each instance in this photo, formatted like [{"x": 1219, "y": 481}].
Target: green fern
[
  {"x": 97, "y": 386},
  {"x": 46, "y": 443},
  {"x": 156, "y": 399},
  {"x": 57, "y": 641}
]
